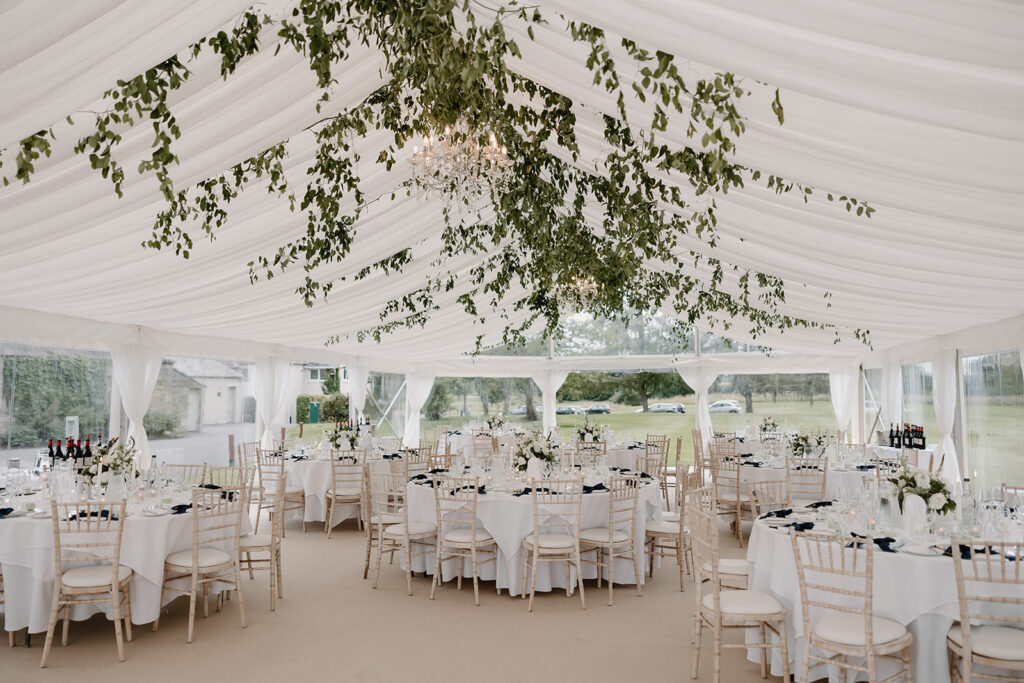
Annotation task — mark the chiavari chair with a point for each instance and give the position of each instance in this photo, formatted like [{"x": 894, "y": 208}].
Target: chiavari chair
[
  {"x": 839, "y": 580},
  {"x": 700, "y": 456},
  {"x": 620, "y": 538},
  {"x": 347, "y": 468},
  {"x": 267, "y": 543},
  {"x": 726, "y": 477},
  {"x": 444, "y": 461},
  {"x": 588, "y": 453},
  {"x": 460, "y": 536},
  {"x": 216, "y": 525},
  {"x": 484, "y": 442},
  {"x": 271, "y": 464},
  {"x": 10, "y": 634},
  {"x": 808, "y": 478},
  {"x": 990, "y": 592},
  {"x": 387, "y": 492},
  {"x": 671, "y": 537},
  {"x": 390, "y": 444},
  {"x": 229, "y": 476},
  {"x": 192, "y": 473},
  {"x": 89, "y": 533},
  {"x": 720, "y": 610},
  {"x": 769, "y": 495},
  {"x": 557, "y": 505}
]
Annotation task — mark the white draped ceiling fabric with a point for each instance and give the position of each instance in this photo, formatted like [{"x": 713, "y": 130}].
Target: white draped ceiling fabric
[
  {"x": 134, "y": 371},
  {"x": 271, "y": 389},
  {"x": 917, "y": 108}
]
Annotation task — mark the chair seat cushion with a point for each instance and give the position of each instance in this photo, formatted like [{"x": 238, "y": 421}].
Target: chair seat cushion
[
  {"x": 733, "y": 567},
  {"x": 414, "y": 529},
  {"x": 292, "y": 490},
  {"x": 599, "y": 535},
  {"x": 848, "y": 629},
  {"x": 551, "y": 541},
  {"x": 744, "y": 602},
  {"x": 466, "y": 535},
  {"x": 346, "y": 492},
  {"x": 663, "y": 527},
  {"x": 208, "y": 557},
  {"x": 386, "y": 518},
  {"x": 726, "y": 498},
  {"x": 255, "y": 541},
  {"x": 98, "y": 575},
  {"x": 997, "y": 642}
]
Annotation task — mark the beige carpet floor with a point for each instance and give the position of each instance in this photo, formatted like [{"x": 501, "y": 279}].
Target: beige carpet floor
[{"x": 332, "y": 625}]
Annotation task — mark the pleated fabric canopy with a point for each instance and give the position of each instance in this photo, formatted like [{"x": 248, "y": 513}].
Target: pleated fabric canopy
[{"x": 917, "y": 108}]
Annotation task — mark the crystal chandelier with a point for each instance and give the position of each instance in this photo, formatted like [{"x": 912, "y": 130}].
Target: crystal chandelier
[
  {"x": 578, "y": 294},
  {"x": 455, "y": 165}
]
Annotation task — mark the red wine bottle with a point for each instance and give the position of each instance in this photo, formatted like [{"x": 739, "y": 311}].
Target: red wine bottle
[
  {"x": 58, "y": 453},
  {"x": 78, "y": 448},
  {"x": 88, "y": 450}
]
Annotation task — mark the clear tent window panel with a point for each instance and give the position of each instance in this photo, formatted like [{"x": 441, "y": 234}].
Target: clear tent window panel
[
  {"x": 873, "y": 405},
  {"x": 993, "y": 390},
  {"x": 918, "y": 408},
  {"x": 797, "y": 402}
]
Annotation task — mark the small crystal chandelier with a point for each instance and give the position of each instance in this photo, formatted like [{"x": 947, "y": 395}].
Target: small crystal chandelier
[
  {"x": 578, "y": 294},
  {"x": 455, "y": 165}
]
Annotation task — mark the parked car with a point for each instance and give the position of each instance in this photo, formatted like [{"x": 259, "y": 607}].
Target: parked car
[
  {"x": 663, "y": 408},
  {"x": 521, "y": 410},
  {"x": 599, "y": 409},
  {"x": 726, "y": 406},
  {"x": 569, "y": 410}
]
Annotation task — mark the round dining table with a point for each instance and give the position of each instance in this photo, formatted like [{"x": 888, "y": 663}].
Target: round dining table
[
  {"x": 838, "y": 482},
  {"x": 27, "y": 562},
  {"x": 312, "y": 473},
  {"x": 509, "y": 519},
  {"x": 918, "y": 591}
]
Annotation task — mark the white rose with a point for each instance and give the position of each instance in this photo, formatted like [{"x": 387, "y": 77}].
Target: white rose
[
  {"x": 937, "y": 501},
  {"x": 922, "y": 480}
]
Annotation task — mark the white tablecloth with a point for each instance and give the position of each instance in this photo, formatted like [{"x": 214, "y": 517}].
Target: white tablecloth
[
  {"x": 918, "y": 592},
  {"x": 625, "y": 456},
  {"x": 26, "y": 560},
  {"x": 315, "y": 478},
  {"x": 509, "y": 519},
  {"x": 924, "y": 456},
  {"x": 848, "y": 480}
]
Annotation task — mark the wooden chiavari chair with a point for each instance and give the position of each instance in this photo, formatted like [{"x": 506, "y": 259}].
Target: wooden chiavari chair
[
  {"x": 89, "y": 533},
  {"x": 557, "y": 507},
  {"x": 216, "y": 524},
  {"x": 808, "y": 478},
  {"x": 484, "y": 442},
  {"x": 444, "y": 461},
  {"x": 773, "y": 444},
  {"x": 441, "y": 434},
  {"x": 459, "y": 534},
  {"x": 10, "y": 634},
  {"x": 390, "y": 444},
  {"x": 189, "y": 473},
  {"x": 1013, "y": 495},
  {"x": 267, "y": 543},
  {"x": 347, "y": 470},
  {"x": 769, "y": 495},
  {"x": 248, "y": 457},
  {"x": 726, "y": 475},
  {"x": 670, "y": 537},
  {"x": 700, "y": 456},
  {"x": 271, "y": 464},
  {"x": 589, "y": 453},
  {"x": 620, "y": 538},
  {"x": 229, "y": 476},
  {"x": 387, "y": 492},
  {"x": 414, "y": 463},
  {"x": 990, "y": 590},
  {"x": 720, "y": 610},
  {"x": 838, "y": 579},
  {"x": 886, "y": 467}
]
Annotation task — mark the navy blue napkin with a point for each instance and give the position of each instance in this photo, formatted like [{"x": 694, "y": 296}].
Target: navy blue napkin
[
  {"x": 803, "y": 526},
  {"x": 784, "y": 512},
  {"x": 391, "y": 456},
  {"x": 965, "y": 551},
  {"x": 418, "y": 476},
  {"x": 209, "y": 486},
  {"x": 300, "y": 457},
  {"x": 5, "y": 511},
  {"x": 523, "y": 492},
  {"x": 752, "y": 464},
  {"x": 863, "y": 468},
  {"x": 821, "y": 504},
  {"x": 595, "y": 487},
  {"x": 181, "y": 509},
  {"x": 746, "y": 455},
  {"x": 644, "y": 475},
  {"x": 437, "y": 470},
  {"x": 884, "y": 543}
]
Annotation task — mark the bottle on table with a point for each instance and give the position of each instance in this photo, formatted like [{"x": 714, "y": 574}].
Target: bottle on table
[
  {"x": 88, "y": 450},
  {"x": 49, "y": 445},
  {"x": 58, "y": 454}
]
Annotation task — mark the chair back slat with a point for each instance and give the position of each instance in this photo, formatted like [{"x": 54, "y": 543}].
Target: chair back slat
[
  {"x": 556, "y": 505},
  {"x": 769, "y": 495},
  {"x": 191, "y": 473},
  {"x": 86, "y": 533},
  {"x": 808, "y": 478},
  {"x": 989, "y": 583}
]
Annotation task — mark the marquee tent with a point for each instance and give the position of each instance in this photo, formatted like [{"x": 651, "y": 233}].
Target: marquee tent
[{"x": 917, "y": 108}]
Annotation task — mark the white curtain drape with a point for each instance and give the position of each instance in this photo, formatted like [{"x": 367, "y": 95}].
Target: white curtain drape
[
  {"x": 271, "y": 388},
  {"x": 548, "y": 381},
  {"x": 700, "y": 379},
  {"x": 357, "y": 376},
  {"x": 135, "y": 371},
  {"x": 944, "y": 399},
  {"x": 417, "y": 391},
  {"x": 892, "y": 395},
  {"x": 843, "y": 388}
]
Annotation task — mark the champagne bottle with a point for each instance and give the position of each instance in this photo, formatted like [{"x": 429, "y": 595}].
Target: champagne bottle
[{"x": 59, "y": 454}]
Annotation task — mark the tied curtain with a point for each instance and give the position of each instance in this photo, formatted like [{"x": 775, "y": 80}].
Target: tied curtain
[
  {"x": 700, "y": 379},
  {"x": 892, "y": 396},
  {"x": 357, "y": 376},
  {"x": 271, "y": 388},
  {"x": 549, "y": 381},
  {"x": 944, "y": 399},
  {"x": 843, "y": 389},
  {"x": 135, "y": 370},
  {"x": 417, "y": 391}
]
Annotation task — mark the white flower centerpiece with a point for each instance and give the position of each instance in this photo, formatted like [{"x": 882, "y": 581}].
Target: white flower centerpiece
[
  {"x": 769, "y": 425},
  {"x": 801, "y": 445},
  {"x": 932, "y": 489},
  {"x": 591, "y": 432},
  {"x": 110, "y": 459},
  {"x": 533, "y": 453},
  {"x": 344, "y": 439},
  {"x": 496, "y": 423}
]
